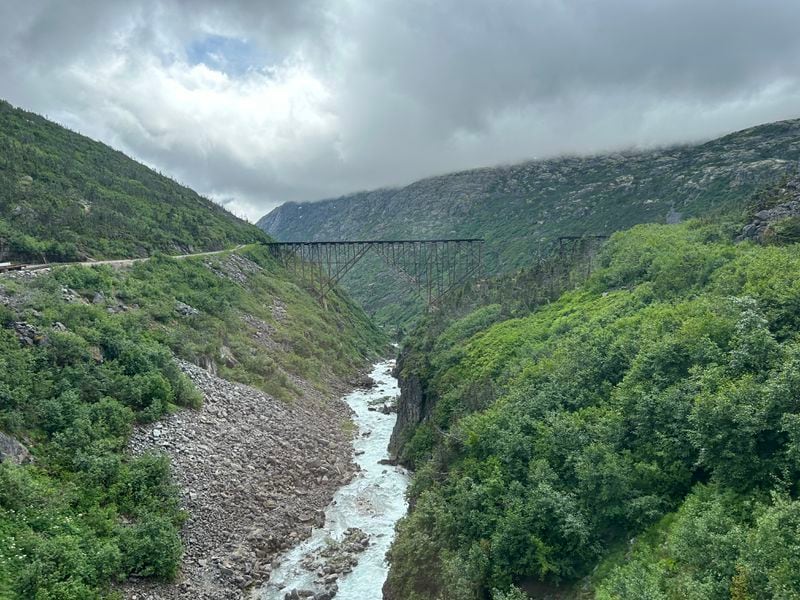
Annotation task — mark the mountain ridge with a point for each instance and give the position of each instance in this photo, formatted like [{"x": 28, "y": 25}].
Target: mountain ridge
[
  {"x": 521, "y": 209},
  {"x": 626, "y": 152}
]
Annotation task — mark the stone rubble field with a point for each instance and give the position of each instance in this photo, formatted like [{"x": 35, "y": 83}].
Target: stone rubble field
[{"x": 255, "y": 475}]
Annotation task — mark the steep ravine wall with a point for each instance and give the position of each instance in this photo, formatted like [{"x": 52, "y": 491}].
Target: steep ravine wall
[
  {"x": 240, "y": 475},
  {"x": 413, "y": 405}
]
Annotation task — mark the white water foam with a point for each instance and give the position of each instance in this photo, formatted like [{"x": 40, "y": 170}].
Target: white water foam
[{"x": 372, "y": 502}]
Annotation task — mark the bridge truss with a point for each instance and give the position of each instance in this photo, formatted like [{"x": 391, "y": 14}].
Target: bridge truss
[{"x": 430, "y": 267}]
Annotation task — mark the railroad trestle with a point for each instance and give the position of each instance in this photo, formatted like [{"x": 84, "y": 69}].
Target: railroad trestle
[{"x": 432, "y": 268}]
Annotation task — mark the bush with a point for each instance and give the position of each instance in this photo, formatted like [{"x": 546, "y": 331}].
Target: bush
[
  {"x": 145, "y": 484},
  {"x": 771, "y": 557},
  {"x": 66, "y": 348},
  {"x": 151, "y": 548},
  {"x": 513, "y": 593},
  {"x": 6, "y": 316}
]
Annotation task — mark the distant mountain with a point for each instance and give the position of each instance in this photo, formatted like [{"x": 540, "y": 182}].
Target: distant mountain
[
  {"x": 64, "y": 196},
  {"x": 522, "y": 209}
]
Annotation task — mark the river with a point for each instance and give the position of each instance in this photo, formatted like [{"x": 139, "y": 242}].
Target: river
[{"x": 372, "y": 503}]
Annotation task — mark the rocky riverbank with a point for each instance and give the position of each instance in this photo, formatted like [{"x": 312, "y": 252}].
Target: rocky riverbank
[
  {"x": 255, "y": 475},
  {"x": 346, "y": 557}
]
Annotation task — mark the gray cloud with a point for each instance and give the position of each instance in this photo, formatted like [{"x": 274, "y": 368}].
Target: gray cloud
[{"x": 258, "y": 102}]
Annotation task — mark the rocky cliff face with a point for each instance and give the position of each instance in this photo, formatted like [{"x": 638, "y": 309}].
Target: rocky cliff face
[
  {"x": 13, "y": 451},
  {"x": 781, "y": 207},
  {"x": 412, "y": 406},
  {"x": 520, "y": 209}
]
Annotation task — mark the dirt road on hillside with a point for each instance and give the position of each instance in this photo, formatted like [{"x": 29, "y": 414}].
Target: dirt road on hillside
[{"x": 120, "y": 262}]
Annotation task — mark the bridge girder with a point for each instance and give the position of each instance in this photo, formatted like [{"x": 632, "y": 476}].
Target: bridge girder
[{"x": 431, "y": 267}]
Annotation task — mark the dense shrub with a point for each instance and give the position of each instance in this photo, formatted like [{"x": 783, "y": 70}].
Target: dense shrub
[
  {"x": 671, "y": 374},
  {"x": 151, "y": 548}
]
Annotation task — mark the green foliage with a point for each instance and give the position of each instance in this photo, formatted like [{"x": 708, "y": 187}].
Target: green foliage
[
  {"x": 771, "y": 556},
  {"x": 59, "y": 519},
  {"x": 662, "y": 396},
  {"x": 717, "y": 546},
  {"x": 513, "y": 593},
  {"x": 151, "y": 548},
  {"x": 785, "y": 231},
  {"x": 64, "y": 197},
  {"x": 61, "y": 531},
  {"x": 86, "y": 513}
]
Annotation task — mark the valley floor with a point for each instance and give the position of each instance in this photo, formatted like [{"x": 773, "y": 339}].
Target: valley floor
[{"x": 255, "y": 475}]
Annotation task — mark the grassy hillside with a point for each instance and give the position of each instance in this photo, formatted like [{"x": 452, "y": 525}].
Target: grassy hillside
[
  {"x": 86, "y": 353},
  {"x": 636, "y": 438},
  {"x": 522, "y": 209},
  {"x": 65, "y": 197}
]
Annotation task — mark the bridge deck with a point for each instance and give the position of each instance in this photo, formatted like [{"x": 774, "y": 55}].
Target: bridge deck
[{"x": 308, "y": 242}]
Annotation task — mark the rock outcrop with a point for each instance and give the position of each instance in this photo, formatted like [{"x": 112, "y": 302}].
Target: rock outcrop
[
  {"x": 764, "y": 220},
  {"x": 412, "y": 407},
  {"x": 13, "y": 451}
]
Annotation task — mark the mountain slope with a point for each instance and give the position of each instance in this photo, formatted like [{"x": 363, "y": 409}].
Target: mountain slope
[
  {"x": 520, "y": 209},
  {"x": 636, "y": 438},
  {"x": 64, "y": 196}
]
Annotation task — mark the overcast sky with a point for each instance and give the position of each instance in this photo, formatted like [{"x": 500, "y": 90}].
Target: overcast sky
[{"x": 256, "y": 102}]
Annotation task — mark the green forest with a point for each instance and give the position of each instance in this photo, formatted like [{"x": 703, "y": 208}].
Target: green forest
[
  {"x": 65, "y": 197},
  {"x": 636, "y": 438},
  {"x": 87, "y": 353}
]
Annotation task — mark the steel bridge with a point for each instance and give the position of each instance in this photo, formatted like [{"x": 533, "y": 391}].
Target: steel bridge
[{"x": 431, "y": 267}]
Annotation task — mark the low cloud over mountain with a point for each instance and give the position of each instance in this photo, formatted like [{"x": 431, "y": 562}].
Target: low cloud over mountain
[{"x": 256, "y": 103}]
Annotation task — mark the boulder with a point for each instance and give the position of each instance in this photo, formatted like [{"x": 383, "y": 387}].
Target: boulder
[
  {"x": 185, "y": 310},
  {"x": 13, "y": 451},
  {"x": 27, "y": 333},
  {"x": 365, "y": 382},
  {"x": 759, "y": 228},
  {"x": 226, "y": 355}
]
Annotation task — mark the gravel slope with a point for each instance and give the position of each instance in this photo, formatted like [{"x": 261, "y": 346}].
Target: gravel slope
[{"x": 255, "y": 475}]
